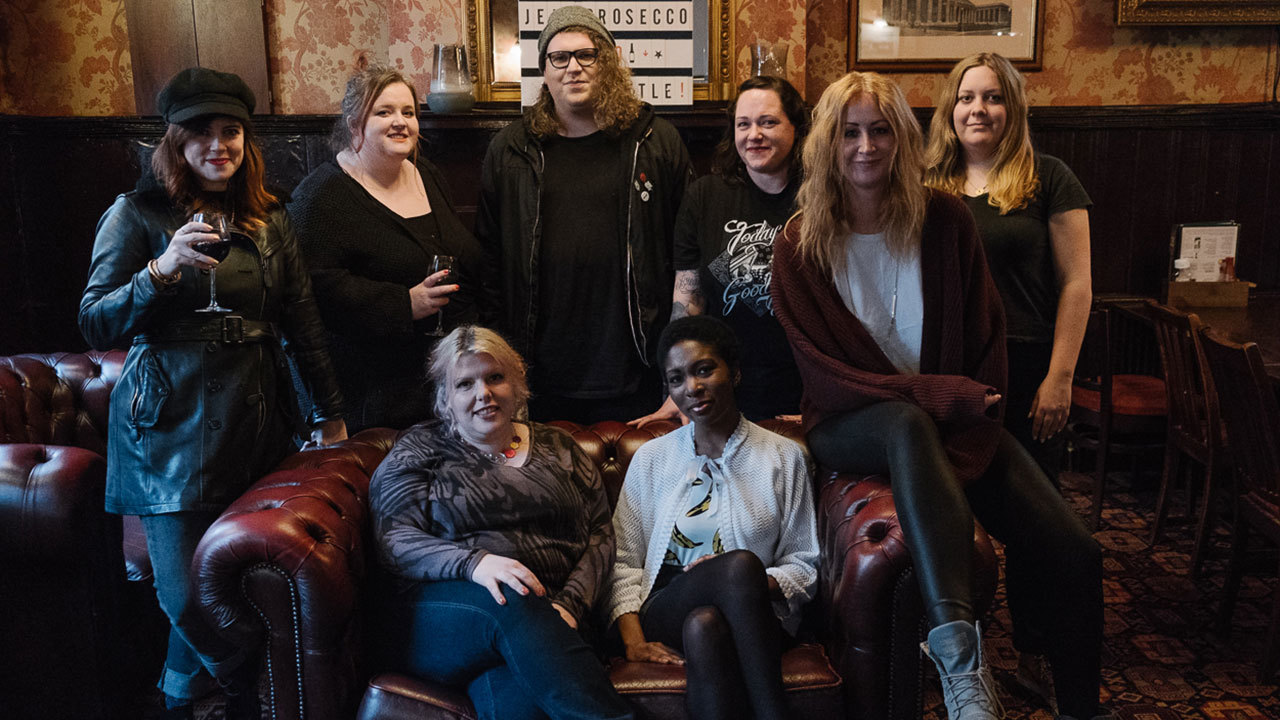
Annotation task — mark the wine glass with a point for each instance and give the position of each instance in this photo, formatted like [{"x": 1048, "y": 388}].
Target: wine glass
[
  {"x": 438, "y": 263},
  {"x": 217, "y": 249}
]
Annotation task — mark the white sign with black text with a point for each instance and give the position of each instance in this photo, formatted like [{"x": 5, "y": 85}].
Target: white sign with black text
[{"x": 655, "y": 40}]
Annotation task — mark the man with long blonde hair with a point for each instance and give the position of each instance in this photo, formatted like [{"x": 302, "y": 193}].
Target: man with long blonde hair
[{"x": 577, "y": 209}]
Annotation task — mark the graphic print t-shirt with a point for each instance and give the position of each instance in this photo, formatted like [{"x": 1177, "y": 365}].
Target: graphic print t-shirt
[{"x": 725, "y": 231}]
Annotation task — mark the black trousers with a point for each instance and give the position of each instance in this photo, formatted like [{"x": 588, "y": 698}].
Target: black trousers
[
  {"x": 1028, "y": 365},
  {"x": 718, "y": 613},
  {"x": 1054, "y": 567}
]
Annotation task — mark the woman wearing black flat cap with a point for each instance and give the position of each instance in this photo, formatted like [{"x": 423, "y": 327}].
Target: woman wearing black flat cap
[{"x": 205, "y": 404}]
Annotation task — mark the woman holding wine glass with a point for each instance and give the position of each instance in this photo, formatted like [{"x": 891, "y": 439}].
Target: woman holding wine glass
[
  {"x": 204, "y": 405},
  {"x": 372, "y": 222}
]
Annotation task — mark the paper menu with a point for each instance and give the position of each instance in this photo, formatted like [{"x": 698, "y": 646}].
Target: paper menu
[{"x": 1205, "y": 246}]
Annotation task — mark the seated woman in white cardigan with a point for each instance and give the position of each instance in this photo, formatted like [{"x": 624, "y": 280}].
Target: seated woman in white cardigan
[{"x": 717, "y": 547}]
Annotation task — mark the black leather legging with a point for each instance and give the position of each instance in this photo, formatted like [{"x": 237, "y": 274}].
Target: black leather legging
[
  {"x": 718, "y": 614},
  {"x": 1054, "y": 567}
]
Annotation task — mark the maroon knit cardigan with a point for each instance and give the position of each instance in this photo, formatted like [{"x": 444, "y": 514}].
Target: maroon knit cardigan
[{"x": 962, "y": 351}]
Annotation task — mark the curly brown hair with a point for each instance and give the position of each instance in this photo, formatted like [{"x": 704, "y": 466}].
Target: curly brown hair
[
  {"x": 246, "y": 190},
  {"x": 615, "y": 102}
]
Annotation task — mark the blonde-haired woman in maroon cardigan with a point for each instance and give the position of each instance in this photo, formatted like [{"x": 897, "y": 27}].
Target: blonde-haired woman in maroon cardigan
[{"x": 883, "y": 290}]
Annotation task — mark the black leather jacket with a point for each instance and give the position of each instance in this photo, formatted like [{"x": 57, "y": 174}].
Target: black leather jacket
[
  {"x": 196, "y": 419},
  {"x": 509, "y": 224}
]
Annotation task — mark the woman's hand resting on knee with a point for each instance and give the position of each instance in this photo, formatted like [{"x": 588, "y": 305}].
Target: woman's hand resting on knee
[
  {"x": 654, "y": 652},
  {"x": 641, "y": 650},
  {"x": 494, "y": 569}
]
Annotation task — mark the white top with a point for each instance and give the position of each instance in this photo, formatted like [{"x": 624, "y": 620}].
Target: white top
[
  {"x": 766, "y": 507},
  {"x": 884, "y": 293},
  {"x": 697, "y": 529}
]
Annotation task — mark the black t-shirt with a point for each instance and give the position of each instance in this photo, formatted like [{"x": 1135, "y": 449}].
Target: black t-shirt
[
  {"x": 582, "y": 344},
  {"x": 725, "y": 231},
  {"x": 1019, "y": 252}
]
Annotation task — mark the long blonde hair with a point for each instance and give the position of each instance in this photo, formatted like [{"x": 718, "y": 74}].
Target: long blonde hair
[
  {"x": 1012, "y": 181},
  {"x": 615, "y": 105},
  {"x": 824, "y": 196}
]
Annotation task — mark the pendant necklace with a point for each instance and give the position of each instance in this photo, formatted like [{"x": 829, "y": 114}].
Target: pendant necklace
[{"x": 893, "y": 304}]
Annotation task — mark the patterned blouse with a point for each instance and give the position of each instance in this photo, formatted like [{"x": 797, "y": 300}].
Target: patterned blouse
[{"x": 439, "y": 507}]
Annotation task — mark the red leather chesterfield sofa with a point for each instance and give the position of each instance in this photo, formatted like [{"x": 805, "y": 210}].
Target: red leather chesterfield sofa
[
  {"x": 78, "y": 638},
  {"x": 291, "y": 558}
]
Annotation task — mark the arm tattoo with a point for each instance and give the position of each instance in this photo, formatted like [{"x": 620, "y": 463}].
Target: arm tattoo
[{"x": 688, "y": 298}]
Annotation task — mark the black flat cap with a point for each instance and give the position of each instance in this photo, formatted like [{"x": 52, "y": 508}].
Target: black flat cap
[{"x": 200, "y": 91}]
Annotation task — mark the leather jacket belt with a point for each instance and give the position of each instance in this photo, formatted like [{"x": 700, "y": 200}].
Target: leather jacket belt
[{"x": 231, "y": 329}]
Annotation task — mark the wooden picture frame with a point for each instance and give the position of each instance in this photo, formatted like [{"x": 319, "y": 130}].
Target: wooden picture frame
[
  {"x": 484, "y": 30},
  {"x": 1198, "y": 12},
  {"x": 931, "y": 35}
]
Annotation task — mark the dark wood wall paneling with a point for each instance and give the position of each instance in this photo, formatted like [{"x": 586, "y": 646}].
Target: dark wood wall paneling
[
  {"x": 1146, "y": 169},
  {"x": 165, "y": 37}
]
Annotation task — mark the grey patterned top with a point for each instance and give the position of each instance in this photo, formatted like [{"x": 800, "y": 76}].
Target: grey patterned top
[{"x": 439, "y": 507}]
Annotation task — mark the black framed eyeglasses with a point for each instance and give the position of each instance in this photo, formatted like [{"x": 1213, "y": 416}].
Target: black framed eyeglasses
[{"x": 586, "y": 57}]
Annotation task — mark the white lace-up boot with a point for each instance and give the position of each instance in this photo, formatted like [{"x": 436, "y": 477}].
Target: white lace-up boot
[{"x": 967, "y": 687}]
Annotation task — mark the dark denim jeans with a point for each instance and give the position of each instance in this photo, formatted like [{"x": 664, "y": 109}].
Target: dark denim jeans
[
  {"x": 518, "y": 660},
  {"x": 194, "y": 645}
]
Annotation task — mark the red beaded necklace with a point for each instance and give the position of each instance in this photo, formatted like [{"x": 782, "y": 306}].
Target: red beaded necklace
[
  {"x": 508, "y": 452},
  {"x": 512, "y": 449}
]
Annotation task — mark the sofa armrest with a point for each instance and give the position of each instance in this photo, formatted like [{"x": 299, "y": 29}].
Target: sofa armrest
[
  {"x": 870, "y": 598},
  {"x": 285, "y": 563},
  {"x": 51, "y": 504},
  {"x": 62, "y": 584}
]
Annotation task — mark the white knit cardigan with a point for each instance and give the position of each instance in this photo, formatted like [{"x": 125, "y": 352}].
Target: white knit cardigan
[{"x": 767, "y": 509}]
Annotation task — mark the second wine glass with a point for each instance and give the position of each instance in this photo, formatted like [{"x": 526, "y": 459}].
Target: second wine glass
[
  {"x": 216, "y": 249},
  {"x": 438, "y": 263}
]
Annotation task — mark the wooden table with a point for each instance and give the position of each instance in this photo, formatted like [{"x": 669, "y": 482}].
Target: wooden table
[{"x": 1258, "y": 322}]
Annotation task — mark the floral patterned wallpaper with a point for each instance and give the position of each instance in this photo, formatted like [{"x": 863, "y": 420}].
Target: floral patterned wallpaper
[
  {"x": 314, "y": 45},
  {"x": 64, "y": 57},
  {"x": 1088, "y": 60},
  {"x": 775, "y": 22},
  {"x": 71, "y": 57}
]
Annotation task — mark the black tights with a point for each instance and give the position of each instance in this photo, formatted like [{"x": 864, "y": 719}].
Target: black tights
[
  {"x": 1054, "y": 568},
  {"x": 718, "y": 613}
]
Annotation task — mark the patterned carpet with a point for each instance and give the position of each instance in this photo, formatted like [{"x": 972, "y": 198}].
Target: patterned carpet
[{"x": 1161, "y": 659}]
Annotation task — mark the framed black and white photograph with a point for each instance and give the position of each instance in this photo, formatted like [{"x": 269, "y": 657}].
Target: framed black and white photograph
[{"x": 927, "y": 35}]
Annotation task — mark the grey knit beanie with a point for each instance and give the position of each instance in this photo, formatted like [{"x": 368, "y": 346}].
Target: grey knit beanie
[{"x": 567, "y": 16}]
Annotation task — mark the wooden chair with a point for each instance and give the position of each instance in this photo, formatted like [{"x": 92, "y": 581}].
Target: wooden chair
[
  {"x": 1118, "y": 403},
  {"x": 1194, "y": 429},
  {"x": 1252, "y": 419}
]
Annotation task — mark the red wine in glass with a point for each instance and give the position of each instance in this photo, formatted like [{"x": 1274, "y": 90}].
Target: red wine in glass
[
  {"x": 438, "y": 263},
  {"x": 217, "y": 250}
]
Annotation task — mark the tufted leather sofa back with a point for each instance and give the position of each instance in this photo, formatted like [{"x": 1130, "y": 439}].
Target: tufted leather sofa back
[
  {"x": 58, "y": 398},
  {"x": 611, "y": 445}
]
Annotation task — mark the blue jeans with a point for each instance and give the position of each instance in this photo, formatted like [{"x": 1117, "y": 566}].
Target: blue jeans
[
  {"x": 518, "y": 660},
  {"x": 197, "y": 653}
]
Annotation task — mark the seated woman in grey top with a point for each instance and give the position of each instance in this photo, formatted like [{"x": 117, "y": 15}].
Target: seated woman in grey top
[{"x": 499, "y": 535}]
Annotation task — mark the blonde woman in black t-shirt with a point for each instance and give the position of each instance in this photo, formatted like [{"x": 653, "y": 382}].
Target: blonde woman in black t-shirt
[{"x": 1033, "y": 218}]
